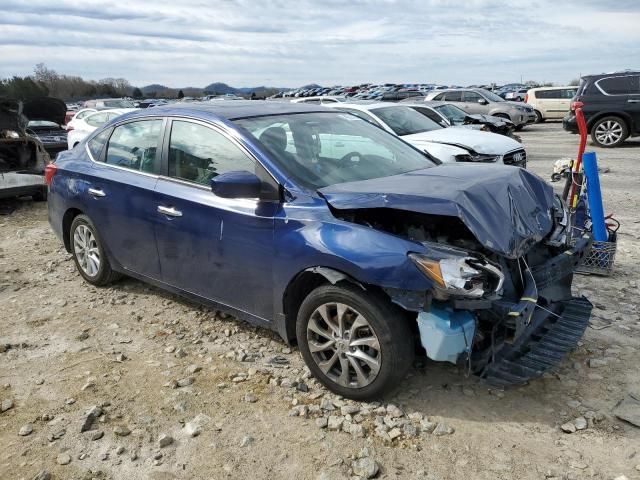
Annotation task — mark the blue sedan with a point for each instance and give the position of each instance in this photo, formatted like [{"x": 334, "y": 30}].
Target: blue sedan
[{"x": 332, "y": 232}]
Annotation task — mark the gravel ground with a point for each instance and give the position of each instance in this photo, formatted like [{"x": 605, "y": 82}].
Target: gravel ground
[{"x": 131, "y": 382}]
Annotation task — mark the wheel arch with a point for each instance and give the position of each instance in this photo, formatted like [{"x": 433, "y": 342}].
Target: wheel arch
[
  {"x": 606, "y": 113},
  {"x": 67, "y": 219},
  {"x": 301, "y": 286}
]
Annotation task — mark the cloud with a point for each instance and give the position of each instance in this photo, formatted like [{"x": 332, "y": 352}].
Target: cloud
[{"x": 283, "y": 43}]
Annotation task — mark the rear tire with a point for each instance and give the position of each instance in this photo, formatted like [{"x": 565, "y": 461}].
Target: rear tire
[
  {"x": 89, "y": 254},
  {"x": 609, "y": 132},
  {"x": 357, "y": 332}
]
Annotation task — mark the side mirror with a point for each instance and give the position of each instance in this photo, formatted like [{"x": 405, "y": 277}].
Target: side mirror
[
  {"x": 482, "y": 101},
  {"x": 236, "y": 184}
]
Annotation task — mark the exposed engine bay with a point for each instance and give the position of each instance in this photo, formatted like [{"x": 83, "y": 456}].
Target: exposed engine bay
[{"x": 507, "y": 320}]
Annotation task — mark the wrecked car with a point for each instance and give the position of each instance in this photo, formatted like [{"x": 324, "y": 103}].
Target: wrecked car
[
  {"x": 22, "y": 156},
  {"x": 360, "y": 257},
  {"x": 46, "y": 116},
  {"x": 447, "y": 114}
]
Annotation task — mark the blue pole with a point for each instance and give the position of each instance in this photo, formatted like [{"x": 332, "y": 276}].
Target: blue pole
[{"x": 590, "y": 165}]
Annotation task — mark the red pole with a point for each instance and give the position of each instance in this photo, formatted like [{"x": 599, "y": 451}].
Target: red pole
[{"x": 576, "y": 176}]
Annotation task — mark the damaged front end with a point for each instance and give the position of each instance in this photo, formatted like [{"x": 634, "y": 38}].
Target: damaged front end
[{"x": 500, "y": 267}]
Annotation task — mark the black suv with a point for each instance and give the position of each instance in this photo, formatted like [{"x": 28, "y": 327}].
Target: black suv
[{"x": 611, "y": 106}]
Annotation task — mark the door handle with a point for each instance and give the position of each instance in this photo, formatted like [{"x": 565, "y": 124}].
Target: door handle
[
  {"x": 96, "y": 192},
  {"x": 169, "y": 211},
  {"x": 633, "y": 101},
  {"x": 339, "y": 144}
]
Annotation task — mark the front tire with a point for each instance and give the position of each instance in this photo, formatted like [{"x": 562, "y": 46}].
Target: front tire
[
  {"x": 609, "y": 132},
  {"x": 539, "y": 117},
  {"x": 355, "y": 342},
  {"x": 89, "y": 254}
]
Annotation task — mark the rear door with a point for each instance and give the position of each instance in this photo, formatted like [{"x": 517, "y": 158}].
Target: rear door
[{"x": 120, "y": 196}]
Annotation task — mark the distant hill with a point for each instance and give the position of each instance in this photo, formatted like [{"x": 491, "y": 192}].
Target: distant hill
[
  {"x": 217, "y": 88},
  {"x": 153, "y": 88}
]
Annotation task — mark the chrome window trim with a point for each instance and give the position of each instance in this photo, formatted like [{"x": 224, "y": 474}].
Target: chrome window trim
[
  {"x": 597, "y": 84},
  {"x": 210, "y": 124}
]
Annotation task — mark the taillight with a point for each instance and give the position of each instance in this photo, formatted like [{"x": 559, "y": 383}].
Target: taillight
[
  {"x": 526, "y": 97},
  {"x": 49, "y": 171},
  {"x": 576, "y": 104}
]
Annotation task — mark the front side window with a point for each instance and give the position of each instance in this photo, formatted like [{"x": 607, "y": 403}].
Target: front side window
[
  {"x": 198, "y": 153},
  {"x": 492, "y": 97},
  {"x": 405, "y": 120},
  {"x": 332, "y": 147},
  {"x": 472, "y": 97},
  {"x": 454, "y": 114},
  {"x": 432, "y": 115},
  {"x": 134, "y": 145}
]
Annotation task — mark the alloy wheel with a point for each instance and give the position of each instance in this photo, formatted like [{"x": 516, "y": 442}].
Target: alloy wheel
[
  {"x": 609, "y": 132},
  {"x": 343, "y": 345},
  {"x": 85, "y": 247}
]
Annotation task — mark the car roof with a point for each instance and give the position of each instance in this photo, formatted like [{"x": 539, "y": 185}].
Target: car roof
[
  {"x": 623, "y": 73},
  {"x": 537, "y": 89},
  {"x": 232, "y": 110},
  {"x": 367, "y": 105}
]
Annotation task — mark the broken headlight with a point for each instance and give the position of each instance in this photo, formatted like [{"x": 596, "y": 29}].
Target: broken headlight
[
  {"x": 10, "y": 134},
  {"x": 476, "y": 158},
  {"x": 461, "y": 274}
]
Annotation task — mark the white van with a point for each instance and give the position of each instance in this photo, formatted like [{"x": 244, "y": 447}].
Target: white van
[{"x": 551, "y": 103}]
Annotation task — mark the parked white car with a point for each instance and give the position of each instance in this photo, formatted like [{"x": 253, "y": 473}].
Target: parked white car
[
  {"x": 80, "y": 114},
  {"x": 447, "y": 144},
  {"x": 323, "y": 100},
  {"x": 84, "y": 126}
]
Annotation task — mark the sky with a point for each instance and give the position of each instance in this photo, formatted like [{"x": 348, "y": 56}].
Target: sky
[{"x": 291, "y": 43}]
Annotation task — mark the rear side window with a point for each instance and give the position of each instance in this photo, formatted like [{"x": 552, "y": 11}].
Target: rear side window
[
  {"x": 546, "y": 94},
  {"x": 617, "y": 85},
  {"x": 198, "y": 153},
  {"x": 134, "y": 145},
  {"x": 96, "y": 144}
]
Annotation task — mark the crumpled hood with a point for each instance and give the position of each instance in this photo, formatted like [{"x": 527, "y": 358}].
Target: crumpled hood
[
  {"x": 507, "y": 209},
  {"x": 45, "y": 108},
  {"x": 476, "y": 140}
]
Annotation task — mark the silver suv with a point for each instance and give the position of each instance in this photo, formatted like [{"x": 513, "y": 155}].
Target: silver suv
[{"x": 479, "y": 100}]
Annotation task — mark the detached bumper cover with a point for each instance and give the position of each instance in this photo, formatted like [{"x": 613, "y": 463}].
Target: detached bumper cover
[
  {"x": 542, "y": 346},
  {"x": 544, "y": 335}
]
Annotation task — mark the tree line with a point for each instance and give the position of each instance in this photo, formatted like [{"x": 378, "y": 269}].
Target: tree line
[{"x": 47, "y": 82}]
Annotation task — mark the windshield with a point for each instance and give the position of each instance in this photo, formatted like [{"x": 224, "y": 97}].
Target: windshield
[
  {"x": 492, "y": 97},
  {"x": 42, "y": 124},
  {"x": 454, "y": 114},
  {"x": 118, "y": 104},
  {"x": 320, "y": 149},
  {"x": 405, "y": 120}
]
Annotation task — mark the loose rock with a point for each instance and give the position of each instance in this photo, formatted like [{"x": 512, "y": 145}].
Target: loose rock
[
  {"x": 365, "y": 467},
  {"x": 26, "y": 430}
]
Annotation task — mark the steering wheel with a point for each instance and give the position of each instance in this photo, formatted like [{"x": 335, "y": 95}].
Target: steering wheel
[{"x": 348, "y": 156}]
